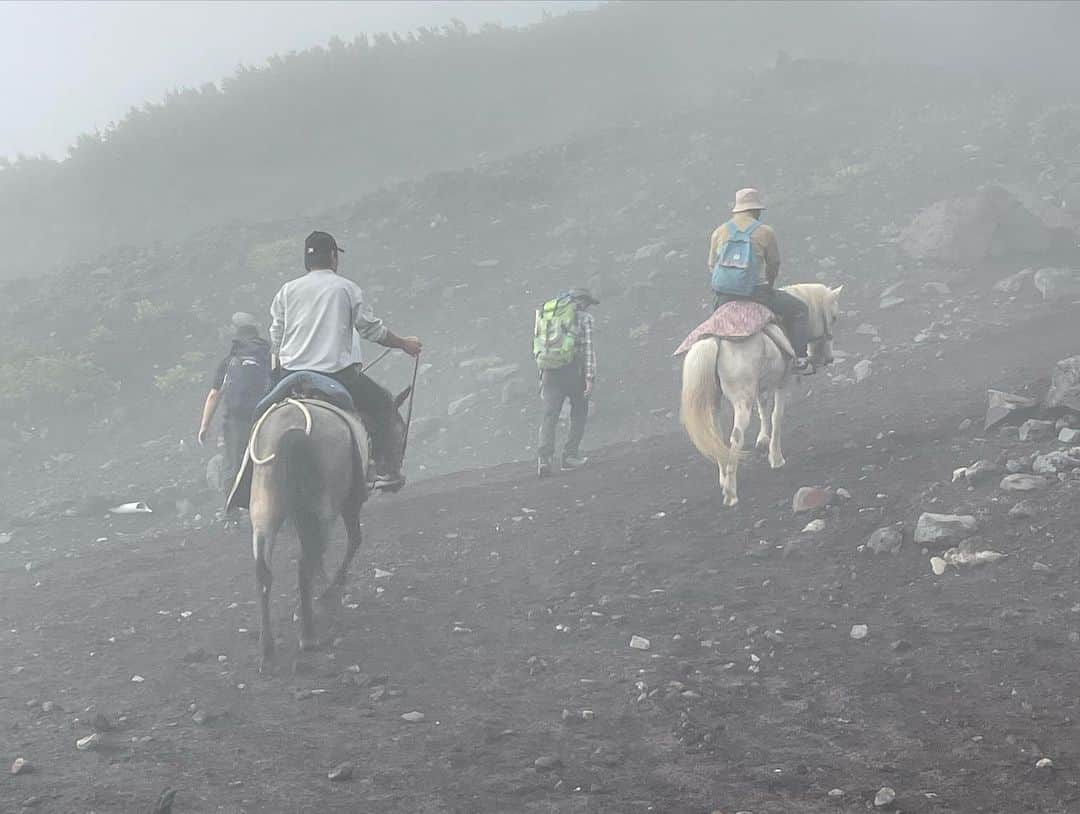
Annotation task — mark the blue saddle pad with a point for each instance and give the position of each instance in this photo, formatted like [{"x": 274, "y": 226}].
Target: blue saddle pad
[{"x": 307, "y": 384}]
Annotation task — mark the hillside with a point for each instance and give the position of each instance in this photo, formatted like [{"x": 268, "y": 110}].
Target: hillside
[
  {"x": 320, "y": 128},
  {"x": 112, "y": 357}
]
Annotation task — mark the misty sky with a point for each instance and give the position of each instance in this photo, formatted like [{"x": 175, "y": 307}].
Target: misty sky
[{"x": 71, "y": 67}]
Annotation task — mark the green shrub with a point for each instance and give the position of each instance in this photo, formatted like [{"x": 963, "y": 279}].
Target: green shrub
[{"x": 48, "y": 384}]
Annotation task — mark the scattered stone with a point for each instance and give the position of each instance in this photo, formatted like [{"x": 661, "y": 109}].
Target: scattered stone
[
  {"x": 201, "y": 717},
  {"x": 21, "y": 766},
  {"x": 1044, "y": 763},
  {"x": 866, "y": 329},
  {"x": 1002, "y": 405},
  {"x": 862, "y": 370},
  {"x": 1023, "y": 509},
  {"x": 978, "y": 472},
  {"x": 462, "y": 404},
  {"x": 901, "y": 646},
  {"x": 937, "y": 528},
  {"x": 814, "y": 526},
  {"x": 1069, "y": 435},
  {"x": 886, "y": 540},
  {"x": 1035, "y": 430},
  {"x": 937, "y": 565},
  {"x": 941, "y": 289},
  {"x": 1065, "y": 385},
  {"x": 88, "y": 743},
  {"x": 888, "y": 303},
  {"x": 137, "y": 679},
  {"x": 969, "y": 553},
  {"x": 1014, "y": 282},
  {"x": 965, "y": 425},
  {"x": 859, "y": 632},
  {"x": 340, "y": 773},
  {"x": 547, "y": 763},
  {"x": 413, "y": 717},
  {"x": 639, "y": 642},
  {"x": 495, "y": 375},
  {"x": 1021, "y": 482},
  {"x": 1041, "y": 566},
  {"x": 1057, "y": 284},
  {"x": 810, "y": 498},
  {"x": 884, "y": 798},
  {"x": 843, "y": 493}
]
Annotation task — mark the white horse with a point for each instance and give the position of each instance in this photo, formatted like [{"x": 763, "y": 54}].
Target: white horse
[{"x": 747, "y": 372}]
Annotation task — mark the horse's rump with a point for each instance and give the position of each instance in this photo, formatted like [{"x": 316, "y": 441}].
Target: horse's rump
[
  {"x": 737, "y": 319},
  {"x": 332, "y": 429}
]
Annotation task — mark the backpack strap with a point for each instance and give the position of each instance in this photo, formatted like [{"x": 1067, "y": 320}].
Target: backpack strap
[{"x": 752, "y": 228}]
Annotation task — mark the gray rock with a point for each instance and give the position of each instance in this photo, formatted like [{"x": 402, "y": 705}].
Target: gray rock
[
  {"x": 215, "y": 473},
  {"x": 980, "y": 472},
  {"x": 21, "y": 766},
  {"x": 547, "y": 763},
  {"x": 340, "y": 773},
  {"x": 494, "y": 375},
  {"x": 1056, "y": 284},
  {"x": 1058, "y": 461},
  {"x": 1023, "y": 509},
  {"x": 1014, "y": 282},
  {"x": 938, "y": 528},
  {"x": 888, "y": 303},
  {"x": 648, "y": 251},
  {"x": 462, "y": 404},
  {"x": 1069, "y": 435},
  {"x": 888, "y": 540},
  {"x": 1065, "y": 385},
  {"x": 862, "y": 369},
  {"x": 941, "y": 289},
  {"x": 1002, "y": 405},
  {"x": 1035, "y": 430},
  {"x": 884, "y": 798},
  {"x": 1023, "y": 483}
]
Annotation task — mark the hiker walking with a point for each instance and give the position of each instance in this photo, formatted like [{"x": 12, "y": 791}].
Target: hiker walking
[
  {"x": 315, "y": 318},
  {"x": 744, "y": 261},
  {"x": 564, "y": 352},
  {"x": 240, "y": 380}
]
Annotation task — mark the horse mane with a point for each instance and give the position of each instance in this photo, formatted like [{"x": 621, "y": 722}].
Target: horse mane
[{"x": 815, "y": 295}]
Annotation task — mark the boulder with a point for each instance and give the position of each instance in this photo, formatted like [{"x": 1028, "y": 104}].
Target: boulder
[
  {"x": 1002, "y": 405},
  {"x": 1069, "y": 435},
  {"x": 971, "y": 229},
  {"x": 1065, "y": 385},
  {"x": 938, "y": 528},
  {"x": 1022, "y": 482},
  {"x": 886, "y": 541},
  {"x": 1058, "y": 461},
  {"x": 1035, "y": 430},
  {"x": 1057, "y": 284},
  {"x": 810, "y": 498}
]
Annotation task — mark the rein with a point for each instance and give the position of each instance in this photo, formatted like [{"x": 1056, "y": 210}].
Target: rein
[
  {"x": 412, "y": 395},
  {"x": 378, "y": 359}
]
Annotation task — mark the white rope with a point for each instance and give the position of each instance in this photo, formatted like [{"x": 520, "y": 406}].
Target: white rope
[{"x": 258, "y": 425}]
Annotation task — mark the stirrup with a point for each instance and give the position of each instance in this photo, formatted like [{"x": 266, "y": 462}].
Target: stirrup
[{"x": 388, "y": 483}]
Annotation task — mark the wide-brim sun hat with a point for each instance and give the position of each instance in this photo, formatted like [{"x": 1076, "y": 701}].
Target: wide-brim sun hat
[
  {"x": 244, "y": 322},
  {"x": 747, "y": 200},
  {"x": 584, "y": 295}
]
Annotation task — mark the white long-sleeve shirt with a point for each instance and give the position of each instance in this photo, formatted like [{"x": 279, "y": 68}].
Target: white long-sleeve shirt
[{"x": 314, "y": 319}]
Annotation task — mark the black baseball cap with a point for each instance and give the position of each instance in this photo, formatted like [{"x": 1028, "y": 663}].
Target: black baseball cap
[{"x": 321, "y": 243}]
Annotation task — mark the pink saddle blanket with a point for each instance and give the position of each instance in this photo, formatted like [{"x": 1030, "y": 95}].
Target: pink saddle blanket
[{"x": 737, "y": 319}]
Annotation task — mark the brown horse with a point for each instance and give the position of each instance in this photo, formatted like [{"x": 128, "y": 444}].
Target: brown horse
[{"x": 309, "y": 463}]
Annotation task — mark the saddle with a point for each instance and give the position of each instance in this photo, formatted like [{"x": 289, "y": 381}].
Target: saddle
[
  {"x": 739, "y": 319},
  {"x": 307, "y": 384}
]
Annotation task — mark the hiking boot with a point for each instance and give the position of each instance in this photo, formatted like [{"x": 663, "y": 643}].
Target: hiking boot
[
  {"x": 543, "y": 467},
  {"x": 388, "y": 483},
  {"x": 803, "y": 366},
  {"x": 572, "y": 462}
]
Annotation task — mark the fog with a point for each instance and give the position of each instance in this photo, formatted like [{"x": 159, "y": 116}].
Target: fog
[
  {"x": 73, "y": 67},
  {"x": 751, "y": 583}
]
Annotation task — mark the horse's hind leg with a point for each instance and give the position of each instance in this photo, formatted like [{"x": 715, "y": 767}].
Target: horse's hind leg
[
  {"x": 354, "y": 534},
  {"x": 310, "y": 563},
  {"x": 262, "y": 548},
  {"x": 765, "y": 433},
  {"x": 743, "y": 408},
  {"x": 776, "y": 457}
]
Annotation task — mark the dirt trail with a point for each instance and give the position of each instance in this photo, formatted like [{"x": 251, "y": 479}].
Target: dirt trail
[{"x": 511, "y": 600}]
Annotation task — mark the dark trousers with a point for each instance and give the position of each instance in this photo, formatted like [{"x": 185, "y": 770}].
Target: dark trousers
[
  {"x": 793, "y": 313},
  {"x": 556, "y": 387},
  {"x": 236, "y": 429},
  {"x": 371, "y": 400}
]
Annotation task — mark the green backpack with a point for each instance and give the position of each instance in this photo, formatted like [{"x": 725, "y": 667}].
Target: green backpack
[{"x": 555, "y": 333}]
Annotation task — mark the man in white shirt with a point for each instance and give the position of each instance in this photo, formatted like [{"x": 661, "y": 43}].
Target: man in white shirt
[{"x": 315, "y": 318}]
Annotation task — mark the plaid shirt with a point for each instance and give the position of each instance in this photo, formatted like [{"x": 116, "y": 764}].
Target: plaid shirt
[{"x": 587, "y": 350}]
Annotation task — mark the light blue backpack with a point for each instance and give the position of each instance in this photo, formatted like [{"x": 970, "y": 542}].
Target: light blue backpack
[{"x": 736, "y": 269}]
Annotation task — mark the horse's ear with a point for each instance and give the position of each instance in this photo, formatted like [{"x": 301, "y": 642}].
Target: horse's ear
[
  {"x": 400, "y": 398},
  {"x": 835, "y": 292}
]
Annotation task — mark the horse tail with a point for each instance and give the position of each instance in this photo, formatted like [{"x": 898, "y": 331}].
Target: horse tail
[
  {"x": 303, "y": 486},
  {"x": 700, "y": 400}
]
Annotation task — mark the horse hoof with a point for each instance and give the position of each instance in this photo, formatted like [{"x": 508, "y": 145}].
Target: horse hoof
[
  {"x": 763, "y": 443},
  {"x": 777, "y": 463},
  {"x": 308, "y": 645}
]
